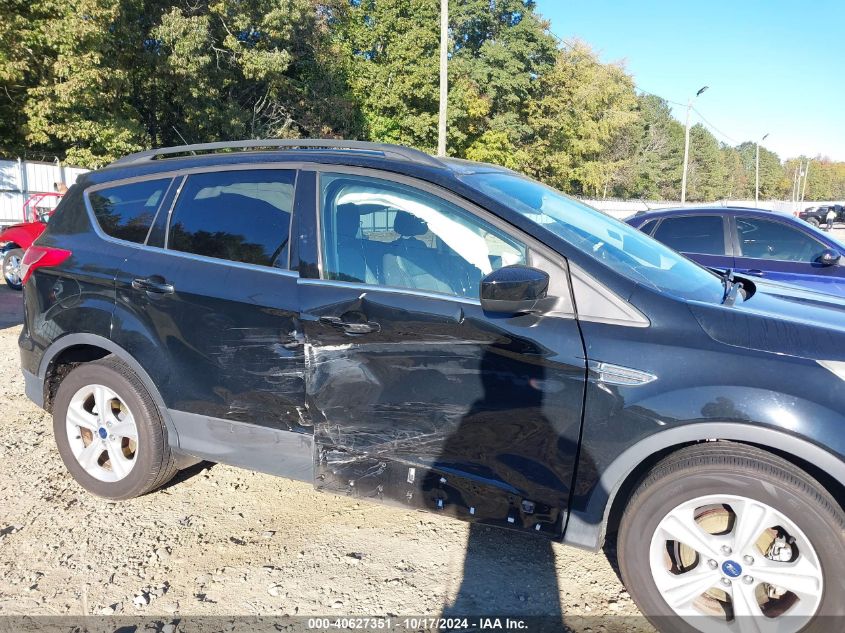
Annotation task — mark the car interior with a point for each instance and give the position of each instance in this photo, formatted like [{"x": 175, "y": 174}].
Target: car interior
[{"x": 383, "y": 239}]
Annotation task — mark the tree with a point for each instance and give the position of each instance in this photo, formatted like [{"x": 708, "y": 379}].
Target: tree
[
  {"x": 91, "y": 80},
  {"x": 582, "y": 107},
  {"x": 706, "y": 173},
  {"x": 771, "y": 171},
  {"x": 657, "y": 152},
  {"x": 498, "y": 49},
  {"x": 736, "y": 184},
  {"x": 122, "y": 75}
]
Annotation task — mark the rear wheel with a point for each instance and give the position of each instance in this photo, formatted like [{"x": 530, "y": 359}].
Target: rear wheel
[
  {"x": 726, "y": 537},
  {"x": 109, "y": 432},
  {"x": 814, "y": 221},
  {"x": 12, "y": 268}
]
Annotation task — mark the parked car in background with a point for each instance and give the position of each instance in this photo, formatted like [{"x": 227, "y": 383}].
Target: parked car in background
[
  {"x": 19, "y": 237},
  {"x": 817, "y": 216},
  {"x": 751, "y": 242}
]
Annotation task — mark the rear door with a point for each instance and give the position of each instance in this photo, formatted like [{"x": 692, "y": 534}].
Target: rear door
[
  {"x": 702, "y": 237},
  {"x": 211, "y": 306},
  {"x": 417, "y": 395},
  {"x": 775, "y": 250}
]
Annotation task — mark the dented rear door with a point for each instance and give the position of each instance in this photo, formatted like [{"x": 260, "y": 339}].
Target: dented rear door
[
  {"x": 418, "y": 397},
  {"x": 209, "y": 306}
]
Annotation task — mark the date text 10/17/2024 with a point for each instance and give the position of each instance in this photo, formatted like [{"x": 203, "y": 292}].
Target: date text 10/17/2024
[{"x": 418, "y": 623}]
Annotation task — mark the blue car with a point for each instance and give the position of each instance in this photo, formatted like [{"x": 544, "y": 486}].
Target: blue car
[{"x": 751, "y": 242}]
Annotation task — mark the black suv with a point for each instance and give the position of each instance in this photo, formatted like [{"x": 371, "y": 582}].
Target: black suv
[
  {"x": 455, "y": 337},
  {"x": 818, "y": 215}
]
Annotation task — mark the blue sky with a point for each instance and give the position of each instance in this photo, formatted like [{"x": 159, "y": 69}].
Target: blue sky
[{"x": 772, "y": 66}]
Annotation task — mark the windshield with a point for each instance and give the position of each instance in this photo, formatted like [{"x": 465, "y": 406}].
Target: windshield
[{"x": 607, "y": 240}]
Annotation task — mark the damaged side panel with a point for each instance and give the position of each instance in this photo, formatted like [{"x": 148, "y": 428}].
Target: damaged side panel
[{"x": 442, "y": 407}]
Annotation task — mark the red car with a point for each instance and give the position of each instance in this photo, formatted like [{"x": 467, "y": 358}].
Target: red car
[{"x": 19, "y": 237}]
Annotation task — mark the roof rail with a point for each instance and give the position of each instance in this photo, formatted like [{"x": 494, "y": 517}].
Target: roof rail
[{"x": 386, "y": 149}]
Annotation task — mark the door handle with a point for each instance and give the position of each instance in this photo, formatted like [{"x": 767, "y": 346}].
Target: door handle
[
  {"x": 756, "y": 272},
  {"x": 152, "y": 284},
  {"x": 351, "y": 328}
]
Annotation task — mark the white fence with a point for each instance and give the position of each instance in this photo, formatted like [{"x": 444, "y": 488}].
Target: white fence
[{"x": 21, "y": 179}]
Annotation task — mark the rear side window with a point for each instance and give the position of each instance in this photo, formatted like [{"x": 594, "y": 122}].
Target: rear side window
[
  {"x": 648, "y": 227},
  {"x": 127, "y": 211},
  {"x": 240, "y": 216},
  {"x": 704, "y": 234}
]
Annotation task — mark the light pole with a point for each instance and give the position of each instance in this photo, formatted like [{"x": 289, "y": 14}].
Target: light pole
[
  {"x": 757, "y": 172},
  {"x": 444, "y": 88},
  {"x": 804, "y": 187},
  {"x": 686, "y": 146}
]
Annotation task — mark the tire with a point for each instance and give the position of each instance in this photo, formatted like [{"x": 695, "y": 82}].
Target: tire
[
  {"x": 814, "y": 221},
  {"x": 11, "y": 267},
  {"x": 116, "y": 467},
  {"x": 720, "y": 480}
]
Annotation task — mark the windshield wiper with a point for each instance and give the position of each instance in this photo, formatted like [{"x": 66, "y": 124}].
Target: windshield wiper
[{"x": 732, "y": 287}]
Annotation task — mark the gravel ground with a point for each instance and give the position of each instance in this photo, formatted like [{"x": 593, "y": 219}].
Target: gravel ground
[{"x": 224, "y": 541}]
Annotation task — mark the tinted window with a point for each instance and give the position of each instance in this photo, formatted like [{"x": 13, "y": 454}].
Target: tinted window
[
  {"x": 379, "y": 232},
  {"x": 764, "y": 239},
  {"x": 127, "y": 211},
  {"x": 613, "y": 243},
  {"x": 703, "y": 234},
  {"x": 648, "y": 227},
  {"x": 242, "y": 216}
]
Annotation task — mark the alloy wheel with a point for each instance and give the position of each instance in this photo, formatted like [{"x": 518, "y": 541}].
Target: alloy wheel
[
  {"x": 12, "y": 269},
  {"x": 102, "y": 433},
  {"x": 730, "y": 563}
]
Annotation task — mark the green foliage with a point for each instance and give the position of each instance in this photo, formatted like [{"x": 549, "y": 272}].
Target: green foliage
[
  {"x": 582, "y": 108},
  {"x": 116, "y": 76},
  {"x": 91, "y": 80}
]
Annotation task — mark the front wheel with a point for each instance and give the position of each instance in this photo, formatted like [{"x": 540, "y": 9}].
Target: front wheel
[
  {"x": 12, "y": 268},
  {"x": 727, "y": 537}
]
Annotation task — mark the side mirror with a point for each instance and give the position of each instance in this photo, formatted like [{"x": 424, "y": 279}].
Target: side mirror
[
  {"x": 829, "y": 257},
  {"x": 514, "y": 289}
]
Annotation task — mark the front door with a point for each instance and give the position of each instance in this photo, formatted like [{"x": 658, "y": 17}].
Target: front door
[
  {"x": 417, "y": 395},
  {"x": 214, "y": 289},
  {"x": 776, "y": 251}
]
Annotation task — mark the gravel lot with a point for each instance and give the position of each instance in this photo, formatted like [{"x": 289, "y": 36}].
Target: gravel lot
[{"x": 224, "y": 541}]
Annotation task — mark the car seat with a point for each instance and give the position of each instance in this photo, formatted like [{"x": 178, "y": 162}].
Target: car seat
[{"x": 410, "y": 262}]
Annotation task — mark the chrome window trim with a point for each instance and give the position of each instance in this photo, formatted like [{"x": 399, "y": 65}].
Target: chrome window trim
[
  {"x": 120, "y": 183},
  {"x": 174, "y": 175},
  {"x": 170, "y": 210},
  {"x": 212, "y": 260},
  {"x": 389, "y": 289},
  {"x": 158, "y": 210}
]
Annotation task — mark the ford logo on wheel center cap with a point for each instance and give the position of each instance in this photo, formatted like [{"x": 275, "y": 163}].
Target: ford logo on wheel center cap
[
  {"x": 731, "y": 568},
  {"x": 102, "y": 432}
]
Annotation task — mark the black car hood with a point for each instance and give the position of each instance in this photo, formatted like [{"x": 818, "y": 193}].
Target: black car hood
[{"x": 781, "y": 319}]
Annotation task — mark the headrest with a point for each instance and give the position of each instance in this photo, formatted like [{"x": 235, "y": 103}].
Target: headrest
[
  {"x": 348, "y": 221},
  {"x": 408, "y": 225}
]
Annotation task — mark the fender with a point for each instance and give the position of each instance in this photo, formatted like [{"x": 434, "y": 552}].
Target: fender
[
  {"x": 69, "y": 340},
  {"x": 586, "y": 529},
  {"x": 22, "y": 235}
]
